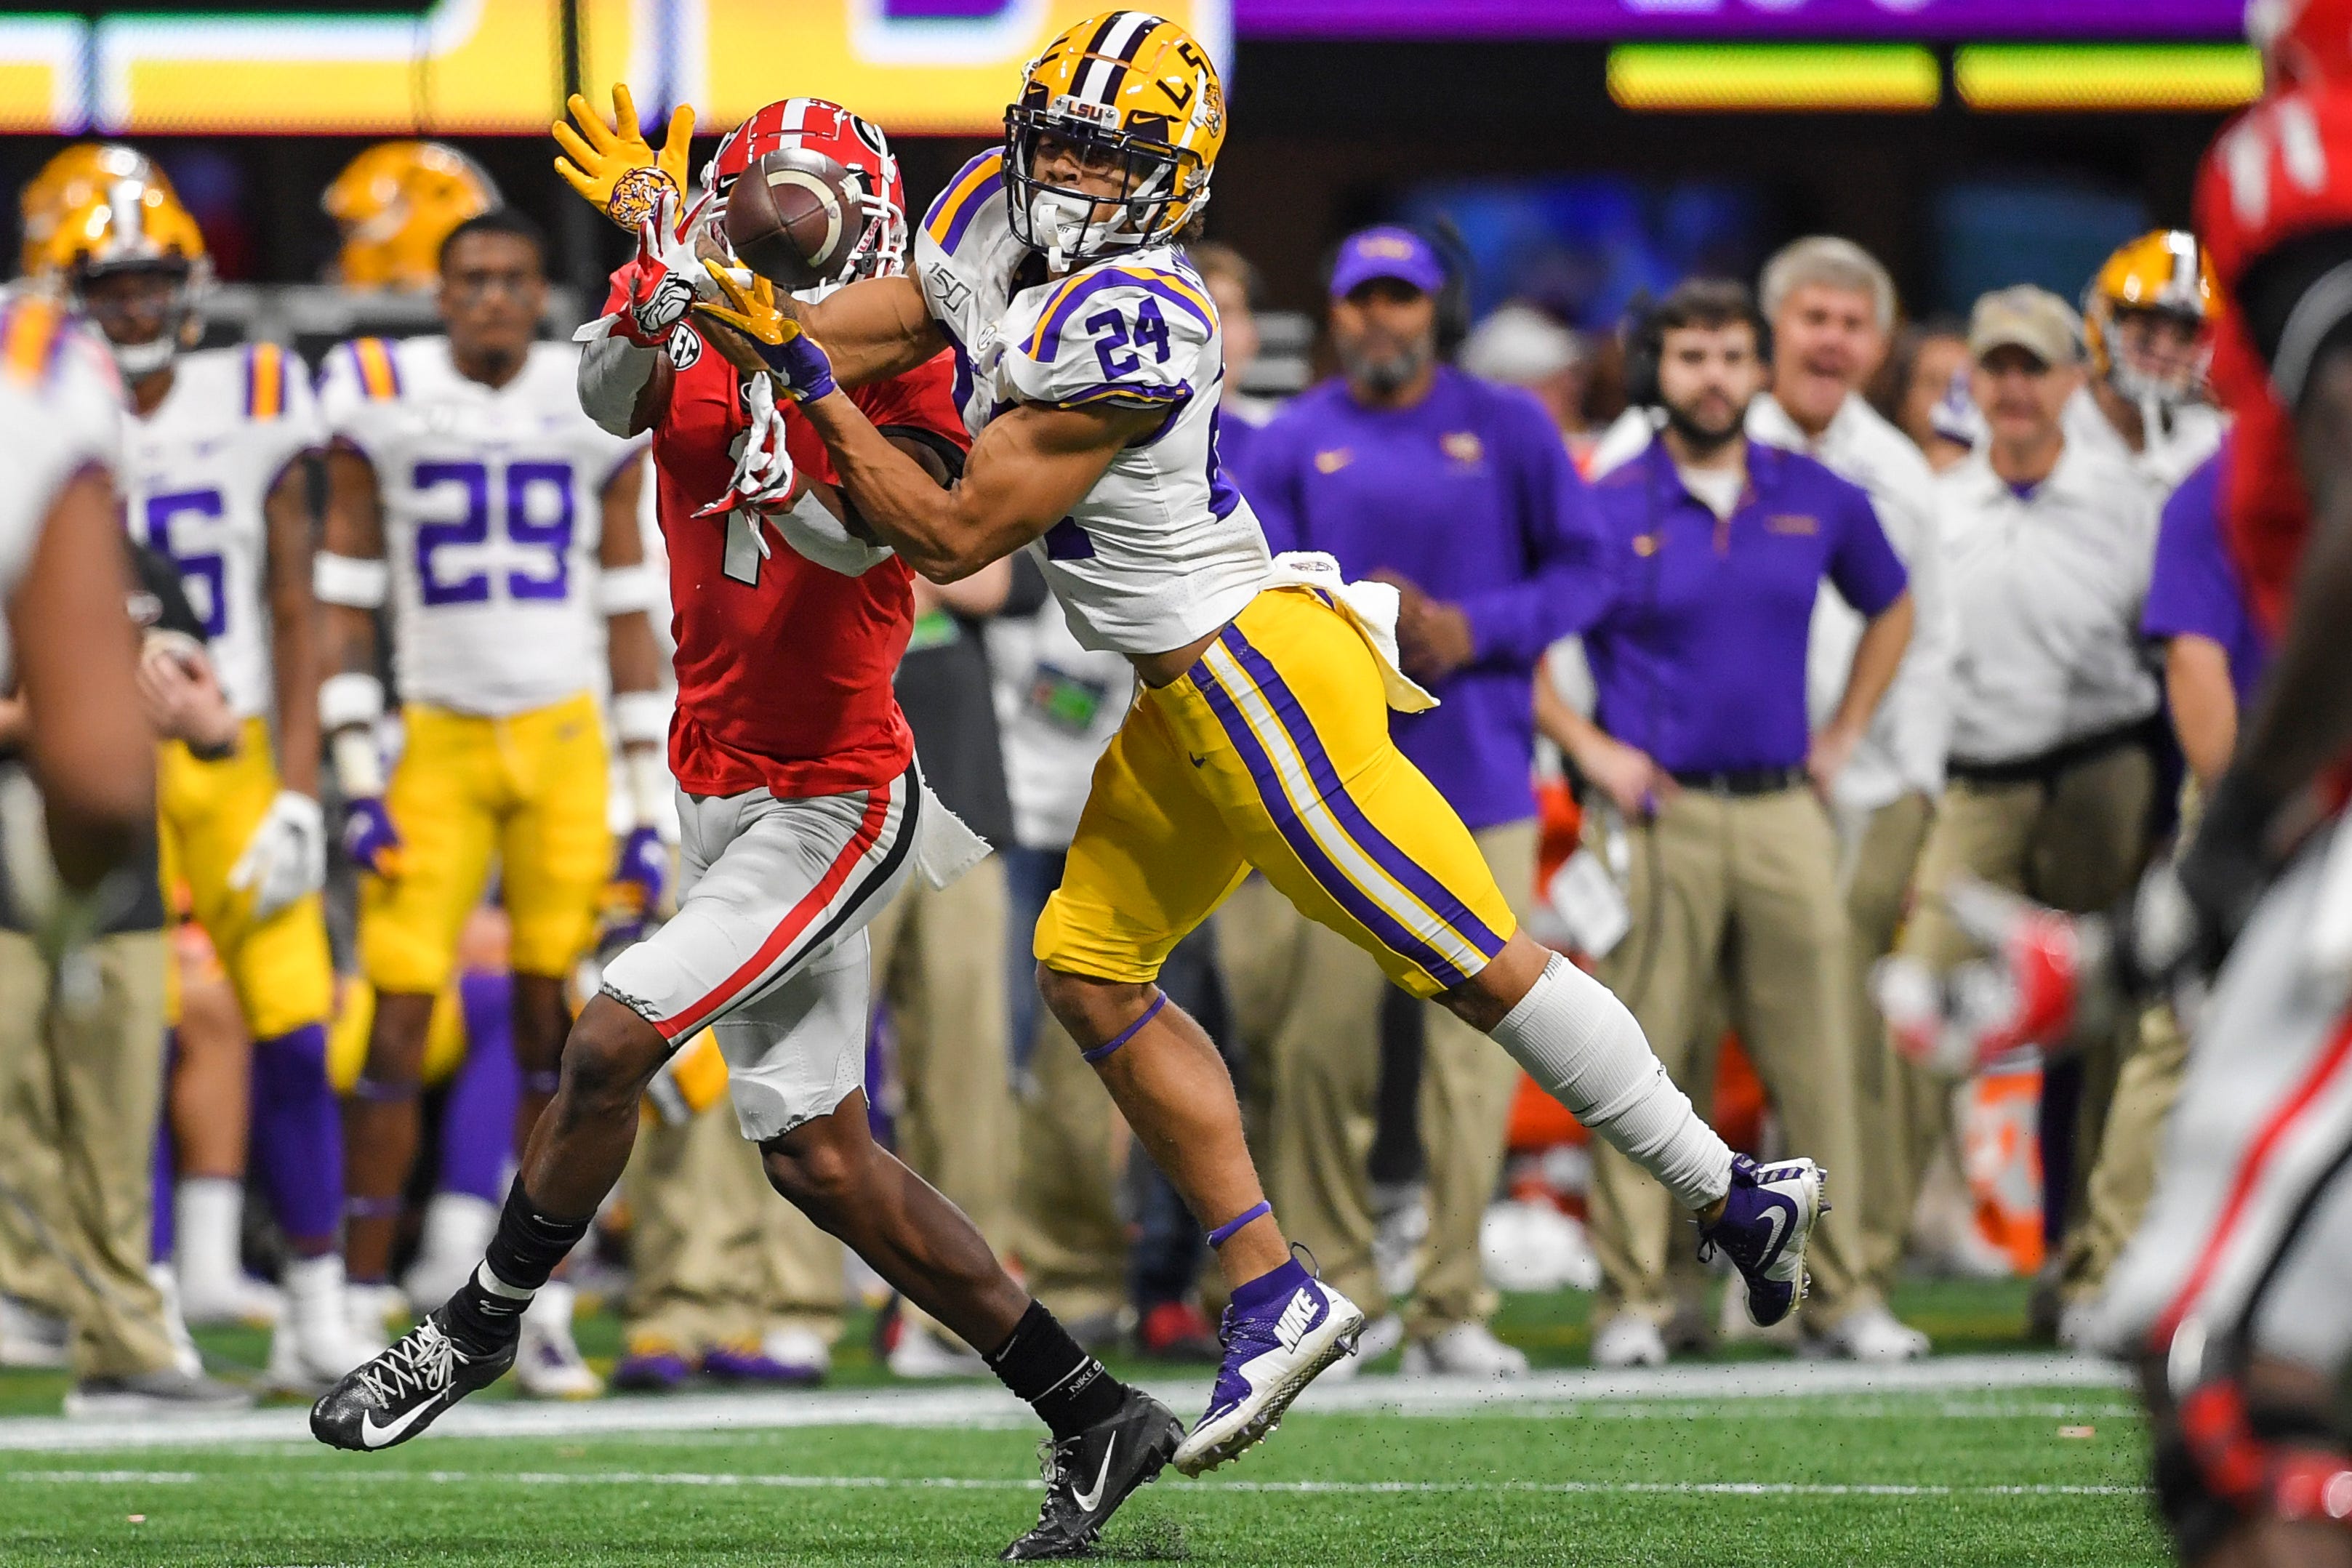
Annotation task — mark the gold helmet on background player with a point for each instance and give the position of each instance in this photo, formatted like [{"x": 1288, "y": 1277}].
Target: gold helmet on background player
[
  {"x": 68, "y": 179},
  {"x": 395, "y": 203},
  {"x": 133, "y": 260},
  {"x": 1135, "y": 99},
  {"x": 2147, "y": 319}
]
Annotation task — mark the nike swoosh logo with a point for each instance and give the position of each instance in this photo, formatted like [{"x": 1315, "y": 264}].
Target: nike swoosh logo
[
  {"x": 1091, "y": 1500},
  {"x": 1780, "y": 1218},
  {"x": 375, "y": 1437},
  {"x": 1198, "y": 761}
]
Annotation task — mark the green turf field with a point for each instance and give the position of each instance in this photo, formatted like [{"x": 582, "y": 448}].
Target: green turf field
[{"x": 1707, "y": 1467}]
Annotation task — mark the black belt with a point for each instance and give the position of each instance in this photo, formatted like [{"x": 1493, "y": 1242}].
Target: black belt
[
  {"x": 1743, "y": 781},
  {"x": 2045, "y": 768}
]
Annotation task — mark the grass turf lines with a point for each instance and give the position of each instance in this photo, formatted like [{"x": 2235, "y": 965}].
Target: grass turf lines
[{"x": 2001, "y": 1477}]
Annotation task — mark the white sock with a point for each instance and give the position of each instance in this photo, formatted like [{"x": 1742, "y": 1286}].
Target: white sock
[
  {"x": 209, "y": 1213},
  {"x": 1578, "y": 1041}
]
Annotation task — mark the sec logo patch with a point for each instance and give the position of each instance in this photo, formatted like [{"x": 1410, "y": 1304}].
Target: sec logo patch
[{"x": 684, "y": 347}]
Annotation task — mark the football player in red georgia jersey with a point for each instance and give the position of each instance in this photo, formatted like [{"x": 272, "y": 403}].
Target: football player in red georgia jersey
[
  {"x": 802, "y": 813},
  {"x": 2232, "y": 1294}
]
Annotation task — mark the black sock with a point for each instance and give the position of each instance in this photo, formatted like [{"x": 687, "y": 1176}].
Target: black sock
[
  {"x": 529, "y": 1243},
  {"x": 1043, "y": 1366}
]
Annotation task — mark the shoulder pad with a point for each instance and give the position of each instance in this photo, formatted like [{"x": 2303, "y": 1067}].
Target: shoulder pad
[
  {"x": 33, "y": 331},
  {"x": 268, "y": 381},
  {"x": 977, "y": 183},
  {"x": 377, "y": 366}
]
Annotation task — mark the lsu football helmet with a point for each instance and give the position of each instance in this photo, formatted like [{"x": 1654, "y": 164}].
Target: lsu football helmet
[
  {"x": 130, "y": 224},
  {"x": 395, "y": 203},
  {"x": 2161, "y": 277},
  {"x": 857, "y": 144},
  {"x": 2302, "y": 41},
  {"x": 1124, "y": 96},
  {"x": 67, "y": 181}
]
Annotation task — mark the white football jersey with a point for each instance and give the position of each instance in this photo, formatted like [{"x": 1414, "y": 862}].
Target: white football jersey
[
  {"x": 196, "y": 478},
  {"x": 60, "y": 413},
  {"x": 1163, "y": 550},
  {"x": 493, "y": 510}
]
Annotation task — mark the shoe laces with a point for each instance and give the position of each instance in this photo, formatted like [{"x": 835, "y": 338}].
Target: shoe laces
[
  {"x": 424, "y": 1361},
  {"x": 1244, "y": 1339},
  {"x": 1054, "y": 1455}
]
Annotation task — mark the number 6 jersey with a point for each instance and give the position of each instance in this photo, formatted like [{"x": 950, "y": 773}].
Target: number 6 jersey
[
  {"x": 1163, "y": 550},
  {"x": 492, "y": 500},
  {"x": 197, "y": 472}
]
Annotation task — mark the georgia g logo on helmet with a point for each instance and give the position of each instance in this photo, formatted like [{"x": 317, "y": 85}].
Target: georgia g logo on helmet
[{"x": 1127, "y": 113}]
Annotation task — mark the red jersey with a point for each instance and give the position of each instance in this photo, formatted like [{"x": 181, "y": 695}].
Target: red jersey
[
  {"x": 783, "y": 680},
  {"x": 2279, "y": 172}
]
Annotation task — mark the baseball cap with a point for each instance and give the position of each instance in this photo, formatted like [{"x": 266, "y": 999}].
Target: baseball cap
[
  {"x": 1519, "y": 345},
  {"x": 2027, "y": 317},
  {"x": 1386, "y": 251}
]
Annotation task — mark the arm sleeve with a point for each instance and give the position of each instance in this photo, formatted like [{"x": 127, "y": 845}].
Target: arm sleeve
[
  {"x": 2296, "y": 298},
  {"x": 1867, "y": 572},
  {"x": 1124, "y": 337},
  {"x": 1567, "y": 586}
]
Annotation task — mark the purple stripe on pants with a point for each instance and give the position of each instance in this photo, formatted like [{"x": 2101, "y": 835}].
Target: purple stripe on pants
[
  {"x": 1294, "y": 833},
  {"x": 1408, "y": 872}
]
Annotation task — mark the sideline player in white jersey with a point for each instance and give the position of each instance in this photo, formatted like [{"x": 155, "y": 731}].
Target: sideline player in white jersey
[
  {"x": 213, "y": 476},
  {"x": 1090, "y": 366},
  {"x": 469, "y": 491},
  {"x": 62, "y": 578}
]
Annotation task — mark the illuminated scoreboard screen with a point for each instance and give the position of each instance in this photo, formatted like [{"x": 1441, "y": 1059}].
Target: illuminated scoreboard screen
[
  {"x": 1613, "y": 21},
  {"x": 492, "y": 66}
]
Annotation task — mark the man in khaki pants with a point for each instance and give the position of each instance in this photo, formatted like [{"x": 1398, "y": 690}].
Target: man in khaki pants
[
  {"x": 1831, "y": 306},
  {"x": 1719, "y": 545},
  {"x": 2214, "y": 655},
  {"x": 2048, "y": 546},
  {"x": 1463, "y": 494}
]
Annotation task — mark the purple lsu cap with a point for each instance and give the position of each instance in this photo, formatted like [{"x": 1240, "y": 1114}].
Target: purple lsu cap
[{"x": 1386, "y": 251}]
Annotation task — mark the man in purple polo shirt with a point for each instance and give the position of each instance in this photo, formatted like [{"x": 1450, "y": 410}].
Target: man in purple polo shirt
[
  {"x": 2214, "y": 655},
  {"x": 1463, "y": 494},
  {"x": 1701, "y": 747}
]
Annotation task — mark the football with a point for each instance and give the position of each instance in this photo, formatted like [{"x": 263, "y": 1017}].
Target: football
[{"x": 794, "y": 218}]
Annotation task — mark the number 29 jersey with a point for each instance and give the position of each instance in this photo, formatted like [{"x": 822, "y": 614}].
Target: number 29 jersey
[
  {"x": 491, "y": 499},
  {"x": 1163, "y": 550}
]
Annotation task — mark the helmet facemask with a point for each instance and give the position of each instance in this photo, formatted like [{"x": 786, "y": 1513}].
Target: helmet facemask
[
  {"x": 1070, "y": 225},
  {"x": 2164, "y": 392}
]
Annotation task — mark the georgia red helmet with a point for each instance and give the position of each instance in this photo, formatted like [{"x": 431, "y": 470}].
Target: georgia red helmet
[
  {"x": 2303, "y": 40},
  {"x": 857, "y": 144}
]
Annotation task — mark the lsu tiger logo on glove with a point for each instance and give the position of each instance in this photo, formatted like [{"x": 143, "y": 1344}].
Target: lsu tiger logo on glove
[{"x": 615, "y": 167}]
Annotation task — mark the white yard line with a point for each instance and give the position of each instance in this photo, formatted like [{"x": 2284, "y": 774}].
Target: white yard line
[
  {"x": 950, "y": 1483},
  {"x": 977, "y": 1406}
]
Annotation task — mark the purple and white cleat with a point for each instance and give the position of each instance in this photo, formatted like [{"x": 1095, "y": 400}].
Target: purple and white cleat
[
  {"x": 1281, "y": 1331},
  {"x": 1768, "y": 1217}
]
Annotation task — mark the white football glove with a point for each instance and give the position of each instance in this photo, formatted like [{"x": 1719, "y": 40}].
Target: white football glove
[
  {"x": 287, "y": 856},
  {"x": 763, "y": 488}
]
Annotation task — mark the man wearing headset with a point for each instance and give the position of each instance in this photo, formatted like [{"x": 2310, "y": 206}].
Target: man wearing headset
[
  {"x": 1461, "y": 494},
  {"x": 1718, "y": 544}
]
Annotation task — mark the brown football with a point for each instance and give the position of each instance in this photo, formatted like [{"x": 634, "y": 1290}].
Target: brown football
[{"x": 793, "y": 218}]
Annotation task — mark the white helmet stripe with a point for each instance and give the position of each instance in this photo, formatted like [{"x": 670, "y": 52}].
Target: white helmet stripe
[{"x": 1097, "y": 80}]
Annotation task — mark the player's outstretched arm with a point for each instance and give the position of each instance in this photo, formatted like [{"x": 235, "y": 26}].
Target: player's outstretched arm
[
  {"x": 352, "y": 582},
  {"x": 873, "y": 329},
  {"x": 1027, "y": 471}
]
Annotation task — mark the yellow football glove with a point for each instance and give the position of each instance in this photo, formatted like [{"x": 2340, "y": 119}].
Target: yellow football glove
[
  {"x": 775, "y": 338},
  {"x": 755, "y": 313},
  {"x": 614, "y": 167}
]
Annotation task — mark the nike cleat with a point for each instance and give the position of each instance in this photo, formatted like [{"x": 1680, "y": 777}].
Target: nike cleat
[
  {"x": 400, "y": 1393},
  {"x": 1768, "y": 1217},
  {"x": 1089, "y": 1475},
  {"x": 1272, "y": 1353}
]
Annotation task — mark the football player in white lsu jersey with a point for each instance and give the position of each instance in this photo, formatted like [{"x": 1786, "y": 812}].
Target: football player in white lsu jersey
[
  {"x": 1090, "y": 368},
  {"x": 213, "y": 476},
  {"x": 469, "y": 491}
]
